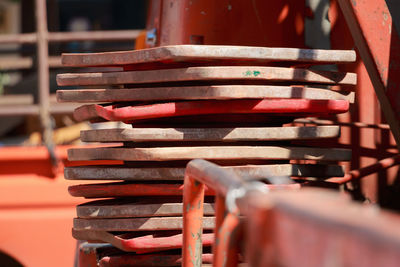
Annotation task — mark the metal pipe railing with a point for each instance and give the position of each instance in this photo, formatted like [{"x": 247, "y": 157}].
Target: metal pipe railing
[
  {"x": 228, "y": 187},
  {"x": 198, "y": 173},
  {"x": 302, "y": 228}
]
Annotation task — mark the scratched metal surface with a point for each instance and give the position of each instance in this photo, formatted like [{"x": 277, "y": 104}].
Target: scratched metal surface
[{"x": 207, "y": 54}]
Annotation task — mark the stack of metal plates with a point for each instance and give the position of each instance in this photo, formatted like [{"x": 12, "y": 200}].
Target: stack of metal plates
[{"x": 226, "y": 104}]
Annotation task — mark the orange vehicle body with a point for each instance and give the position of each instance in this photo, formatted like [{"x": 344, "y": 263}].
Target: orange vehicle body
[{"x": 36, "y": 210}]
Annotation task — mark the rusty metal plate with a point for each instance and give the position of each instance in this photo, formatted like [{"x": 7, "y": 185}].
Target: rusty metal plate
[
  {"x": 251, "y": 73},
  {"x": 137, "y": 224},
  {"x": 218, "y": 92},
  {"x": 208, "y": 53},
  {"x": 110, "y": 190},
  {"x": 279, "y": 107},
  {"x": 124, "y": 172},
  {"x": 131, "y": 209},
  {"x": 210, "y": 134},
  {"x": 209, "y": 152},
  {"x": 154, "y": 259},
  {"x": 130, "y": 242}
]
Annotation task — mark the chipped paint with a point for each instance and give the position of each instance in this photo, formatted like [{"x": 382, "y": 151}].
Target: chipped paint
[{"x": 95, "y": 213}]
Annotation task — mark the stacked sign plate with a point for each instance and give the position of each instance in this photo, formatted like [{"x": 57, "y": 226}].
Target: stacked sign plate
[{"x": 226, "y": 104}]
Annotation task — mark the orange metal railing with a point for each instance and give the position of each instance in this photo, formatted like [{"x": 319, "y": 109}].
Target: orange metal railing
[{"x": 308, "y": 227}]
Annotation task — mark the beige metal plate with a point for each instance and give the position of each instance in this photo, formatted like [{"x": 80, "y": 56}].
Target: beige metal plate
[
  {"x": 209, "y": 153},
  {"x": 227, "y": 74},
  {"x": 210, "y": 134},
  {"x": 218, "y": 92},
  {"x": 137, "y": 224},
  {"x": 208, "y": 53}
]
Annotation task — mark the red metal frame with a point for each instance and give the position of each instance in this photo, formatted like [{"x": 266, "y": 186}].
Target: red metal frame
[
  {"x": 378, "y": 44},
  {"x": 309, "y": 227},
  {"x": 198, "y": 173}
]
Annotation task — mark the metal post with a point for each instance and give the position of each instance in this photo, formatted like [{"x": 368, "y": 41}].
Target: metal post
[
  {"x": 43, "y": 78},
  {"x": 227, "y": 249},
  {"x": 219, "y": 219},
  {"x": 200, "y": 172},
  {"x": 193, "y": 200}
]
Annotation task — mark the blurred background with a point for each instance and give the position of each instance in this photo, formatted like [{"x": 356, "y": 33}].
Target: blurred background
[{"x": 36, "y": 210}]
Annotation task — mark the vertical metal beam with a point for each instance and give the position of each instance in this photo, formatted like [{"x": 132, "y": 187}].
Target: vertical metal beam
[
  {"x": 378, "y": 44},
  {"x": 193, "y": 200},
  {"x": 43, "y": 77},
  {"x": 227, "y": 248},
  {"x": 219, "y": 208}
]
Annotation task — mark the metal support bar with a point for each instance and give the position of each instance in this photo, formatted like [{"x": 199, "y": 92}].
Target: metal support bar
[
  {"x": 121, "y": 35},
  {"x": 44, "y": 79},
  {"x": 53, "y": 37},
  {"x": 193, "y": 200},
  {"x": 314, "y": 227},
  {"x": 226, "y": 252},
  {"x": 348, "y": 124},
  {"x": 198, "y": 173},
  {"x": 360, "y": 173}
]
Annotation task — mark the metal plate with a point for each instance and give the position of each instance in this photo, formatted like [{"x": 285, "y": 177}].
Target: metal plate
[
  {"x": 154, "y": 259},
  {"x": 207, "y": 53},
  {"x": 130, "y": 209},
  {"x": 251, "y": 73},
  {"x": 124, "y": 172},
  {"x": 130, "y": 242},
  {"x": 107, "y": 190},
  {"x": 210, "y": 134},
  {"x": 137, "y": 224},
  {"x": 209, "y": 153},
  {"x": 297, "y": 107},
  {"x": 218, "y": 92}
]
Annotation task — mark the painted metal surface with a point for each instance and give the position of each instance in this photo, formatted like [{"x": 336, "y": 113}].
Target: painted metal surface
[
  {"x": 232, "y": 22},
  {"x": 227, "y": 240},
  {"x": 208, "y": 152},
  {"x": 308, "y": 227},
  {"x": 207, "y": 54},
  {"x": 277, "y": 107},
  {"x": 217, "y": 92},
  {"x": 369, "y": 136},
  {"x": 239, "y": 73},
  {"x": 378, "y": 43},
  {"x": 193, "y": 210},
  {"x": 35, "y": 207}
]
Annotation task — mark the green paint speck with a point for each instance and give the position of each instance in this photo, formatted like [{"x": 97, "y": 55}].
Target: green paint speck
[
  {"x": 256, "y": 73},
  {"x": 247, "y": 73}
]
